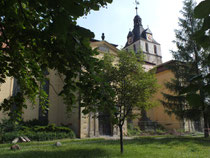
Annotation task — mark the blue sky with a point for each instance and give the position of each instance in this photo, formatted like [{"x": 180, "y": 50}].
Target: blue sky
[{"x": 117, "y": 18}]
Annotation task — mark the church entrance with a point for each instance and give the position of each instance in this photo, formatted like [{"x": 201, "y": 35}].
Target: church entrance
[{"x": 105, "y": 127}]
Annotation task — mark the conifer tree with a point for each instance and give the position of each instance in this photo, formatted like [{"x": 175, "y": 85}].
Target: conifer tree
[{"x": 189, "y": 100}]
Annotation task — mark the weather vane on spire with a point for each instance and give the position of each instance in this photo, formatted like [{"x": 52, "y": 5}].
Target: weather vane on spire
[{"x": 137, "y": 3}]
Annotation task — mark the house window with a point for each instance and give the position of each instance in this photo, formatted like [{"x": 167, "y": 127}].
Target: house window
[
  {"x": 155, "y": 49},
  {"x": 146, "y": 46},
  {"x": 134, "y": 48}
]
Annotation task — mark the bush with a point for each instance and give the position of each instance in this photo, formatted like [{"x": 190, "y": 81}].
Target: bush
[
  {"x": 37, "y": 136},
  {"x": 51, "y": 128},
  {"x": 34, "y": 122},
  {"x": 10, "y": 130},
  {"x": 8, "y": 126},
  {"x": 133, "y": 131}
]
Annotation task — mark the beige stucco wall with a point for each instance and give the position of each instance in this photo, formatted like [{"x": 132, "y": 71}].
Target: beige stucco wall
[
  {"x": 158, "y": 113},
  {"x": 32, "y": 111},
  {"x": 6, "y": 90},
  {"x": 57, "y": 109}
]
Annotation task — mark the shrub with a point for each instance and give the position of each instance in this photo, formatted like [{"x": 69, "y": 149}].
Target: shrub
[
  {"x": 34, "y": 122},
  {"x": 9, "y": 131},
  {"x": 51, "y": 128},
  {"x": 8, "y": 126},
  {"x": 37, "y": 136},
  {"x": 133, "y": 131}
]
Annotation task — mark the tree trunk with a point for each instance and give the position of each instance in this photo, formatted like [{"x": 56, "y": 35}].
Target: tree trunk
[
  {"x": 121, "y": 139},
  {"x": 206, "y": 125}
]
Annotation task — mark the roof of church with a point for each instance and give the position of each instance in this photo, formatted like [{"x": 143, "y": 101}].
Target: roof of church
[
  {"x": 138, "y": 32},
  {"x": 94, "y": 40},
  {"x": 148, "y": 31},
  {"x": 164, "y": 66}
]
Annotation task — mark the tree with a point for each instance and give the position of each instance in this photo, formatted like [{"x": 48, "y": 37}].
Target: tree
[
  {"x": 123, "y": 86},
  {"x": 202, "y": 36},
  {"x": 189, "y": 100},
  {"x": 36, "y": 36}
]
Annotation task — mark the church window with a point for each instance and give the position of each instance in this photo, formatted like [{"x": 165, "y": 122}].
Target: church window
[
  {"x": 155, "y": 49},
  {"x": 134, "y": 48},
  {"x": 147, "y": 48},
  {"x": 103, "y": 49}
]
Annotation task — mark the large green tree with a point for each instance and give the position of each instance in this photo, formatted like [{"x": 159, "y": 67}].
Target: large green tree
[
  {"x": 189, "y": 100},
  {"x": 36, "y": 36},
  {"x": 123, "y": 86}
]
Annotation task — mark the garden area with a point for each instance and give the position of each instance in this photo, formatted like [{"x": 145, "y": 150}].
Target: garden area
[{"x": 144, "y": 147}]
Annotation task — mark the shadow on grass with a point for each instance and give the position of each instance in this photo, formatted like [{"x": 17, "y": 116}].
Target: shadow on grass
[
  {"x": 170, "y": 141},
  {"x": 71, "y": 153},
  {"x": 159, "y": 140}
]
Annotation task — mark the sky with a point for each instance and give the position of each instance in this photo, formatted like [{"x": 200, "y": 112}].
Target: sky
[{"x": 116, "y": 19}]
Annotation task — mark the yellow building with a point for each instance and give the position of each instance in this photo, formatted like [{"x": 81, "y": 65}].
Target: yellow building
[
  {"x": 82, "y": 125},
  {"x": 158, "y": 113}
]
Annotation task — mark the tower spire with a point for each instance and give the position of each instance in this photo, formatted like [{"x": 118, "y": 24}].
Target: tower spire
[{"x": 137, "y": 3}]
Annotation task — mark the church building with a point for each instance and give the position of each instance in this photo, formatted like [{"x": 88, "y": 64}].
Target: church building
[{"x": 139, "y": 40}]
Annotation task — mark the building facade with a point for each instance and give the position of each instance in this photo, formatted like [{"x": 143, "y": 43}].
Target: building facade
[{"x": 90, "y": 125}]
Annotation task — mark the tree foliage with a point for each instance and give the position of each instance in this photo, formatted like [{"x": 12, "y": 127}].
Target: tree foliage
[
  {"x": 202, "y": 36},
  {"x": 202, "y": 11},
  {"x": 123, "y": 86},
  {"x": 189, "y": 100},
  {"x": 40, "y": 35}
]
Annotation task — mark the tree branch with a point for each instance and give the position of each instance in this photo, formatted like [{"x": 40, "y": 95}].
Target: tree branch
[{"x": 21, "y": 9}]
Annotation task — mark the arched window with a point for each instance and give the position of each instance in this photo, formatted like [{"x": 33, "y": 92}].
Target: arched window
[
  {"x": 155, "y": 49},
  {"x": 147, "y": 48}
]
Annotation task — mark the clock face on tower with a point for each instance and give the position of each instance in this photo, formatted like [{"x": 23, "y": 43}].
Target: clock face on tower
[
  {"x": 130, "y": 40},
  {"x": 149, "y": 37}
]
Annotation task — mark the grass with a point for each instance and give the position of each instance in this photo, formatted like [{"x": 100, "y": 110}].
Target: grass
[{"x": 142, "y": 147}]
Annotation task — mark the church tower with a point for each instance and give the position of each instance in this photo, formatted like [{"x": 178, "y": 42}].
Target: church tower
[{"x": 141, "y": 40}]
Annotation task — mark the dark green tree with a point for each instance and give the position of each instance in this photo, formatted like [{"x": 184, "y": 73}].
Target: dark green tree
[
  {"x": 123, "y": 86},
  {"x": 202, "y": 11},
  {"x": 36, "y": 36},
  {"x": 202, "y": 36},
  {"x": 189, "y": 100}
]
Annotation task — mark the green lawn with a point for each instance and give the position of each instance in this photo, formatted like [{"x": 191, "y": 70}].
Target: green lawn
[{"x": 143, "y": 147}]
